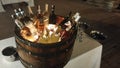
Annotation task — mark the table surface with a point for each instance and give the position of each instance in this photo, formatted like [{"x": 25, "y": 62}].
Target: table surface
[{"x": 80, "y": 48}]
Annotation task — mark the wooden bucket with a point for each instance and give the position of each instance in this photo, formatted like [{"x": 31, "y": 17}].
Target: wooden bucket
[{"x": 37, "y": 55}]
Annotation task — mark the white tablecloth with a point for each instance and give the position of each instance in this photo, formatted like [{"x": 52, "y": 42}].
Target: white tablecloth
[
  {"x": 86, "y": 54},
  {"x": 3, "y": 2},
  {"x": 30, "y": 2},
  {"x": 1, "y": 7}
]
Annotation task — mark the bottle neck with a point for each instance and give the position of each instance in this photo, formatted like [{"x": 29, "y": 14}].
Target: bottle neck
[
  {"x": 46, "y": 13},
  {"x": 30, "y": 10},
  {"x": 53, "y": 9},
  {"x": 31, "y": 15},
  {"x": 39, "y": 9},
  {"x": 46, "y": 7}
]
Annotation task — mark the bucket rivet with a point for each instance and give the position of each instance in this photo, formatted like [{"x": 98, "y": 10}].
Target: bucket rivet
[
  {"x": 29, "y": 44},
  {"x": 29, "y": 53},
  {"x": 36, "y": 56},
  {"x": 66, "y": 50},
  {"x": 31, "y": 66}
]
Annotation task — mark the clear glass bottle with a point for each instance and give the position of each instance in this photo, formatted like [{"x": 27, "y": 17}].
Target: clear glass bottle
[
  {"x": 19, "y": 24},
  {"x": 39, "y": 22},
  {"x": 46, "y": 15}
]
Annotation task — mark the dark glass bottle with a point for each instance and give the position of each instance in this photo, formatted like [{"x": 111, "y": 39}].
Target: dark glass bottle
[
  {"x": 68, "y": 18},
  {"x": 16, "y": 12},
  {"x": 21, "y": 12},
  {"x": 18, "y": 16},
  {"x": 52, "y": 17}
]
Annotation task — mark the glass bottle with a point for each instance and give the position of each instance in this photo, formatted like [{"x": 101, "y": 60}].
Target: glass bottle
[
  {"x": 52, "y": 17},
  {"x": 68, "y": 18},
  {"x": 39, "y": 22},
  {"x": 19, "y": 24},
  {"x": 46, "y": 15},
  {"x": 31, "y": 15}
]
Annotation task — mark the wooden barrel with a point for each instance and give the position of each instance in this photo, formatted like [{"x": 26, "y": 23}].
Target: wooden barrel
[{"x": 37, "y": 55}]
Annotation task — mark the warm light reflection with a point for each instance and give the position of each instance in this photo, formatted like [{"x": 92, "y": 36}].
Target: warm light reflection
[{"x": 51, "y": 34}]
